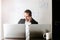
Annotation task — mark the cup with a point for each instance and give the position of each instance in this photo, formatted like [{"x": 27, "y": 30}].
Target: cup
[{"x": 46, "y": 36}]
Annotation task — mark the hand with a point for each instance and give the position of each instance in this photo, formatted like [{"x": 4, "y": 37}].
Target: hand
[{"x": 29, "y": 19}]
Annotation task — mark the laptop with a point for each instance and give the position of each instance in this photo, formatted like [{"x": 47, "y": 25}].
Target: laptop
[
  {"x": 18, "y": 30},
  {"x": 14, "y": 30},
  {"x": 37, "y": 30},
  {"x": 40, "y": 27}
]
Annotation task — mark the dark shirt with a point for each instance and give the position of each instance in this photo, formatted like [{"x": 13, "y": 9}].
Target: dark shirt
[{"x": 22, "y": 21}]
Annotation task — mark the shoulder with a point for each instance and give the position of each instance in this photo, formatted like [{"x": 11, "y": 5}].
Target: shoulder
[
  {"x": 21, "y": 21},
  {"x": 34, "y": 22}
]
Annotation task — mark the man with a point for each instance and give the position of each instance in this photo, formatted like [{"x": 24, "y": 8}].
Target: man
[{"x": 28, "y": 18}]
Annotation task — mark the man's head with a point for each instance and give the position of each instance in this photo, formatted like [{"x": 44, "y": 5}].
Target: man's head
[{"x": 27, "y": 14}]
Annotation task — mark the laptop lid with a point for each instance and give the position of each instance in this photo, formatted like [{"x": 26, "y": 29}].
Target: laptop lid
[{"x": 14, "y": 30}]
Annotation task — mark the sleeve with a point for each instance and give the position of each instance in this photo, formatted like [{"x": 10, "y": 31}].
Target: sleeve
[
  {"x": 19, "y": 21},
  {"x": 36, "y": 22}
]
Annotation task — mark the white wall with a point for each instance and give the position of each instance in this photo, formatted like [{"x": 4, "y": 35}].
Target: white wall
[
  {"x": 12, "y": 10},
  {"x": 0, "y": 19}
]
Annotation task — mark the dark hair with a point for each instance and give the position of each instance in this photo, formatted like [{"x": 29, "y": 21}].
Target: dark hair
[{"x": 29, "y": 12}]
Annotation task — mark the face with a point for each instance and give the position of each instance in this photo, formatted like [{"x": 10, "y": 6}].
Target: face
[{"x": 27, "y": 17}]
